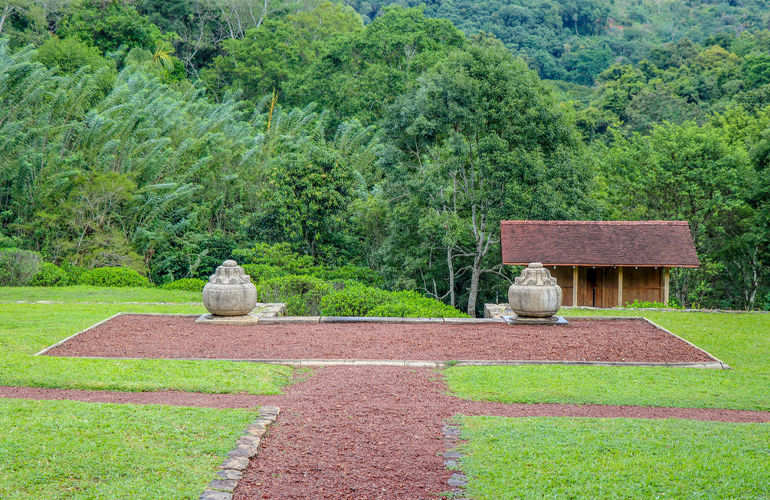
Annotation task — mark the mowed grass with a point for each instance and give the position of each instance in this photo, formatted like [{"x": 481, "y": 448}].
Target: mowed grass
[
  {"x": 740, "y": 340},
  {"x": 536, "y": 458},
  {"x": 26, "y": 329},
  {"x": 83, "y": 293},
  {"x": 72, "y": 450}
]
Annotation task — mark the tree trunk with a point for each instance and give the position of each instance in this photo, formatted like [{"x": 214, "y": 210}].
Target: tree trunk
[
  {"x": 451, "y": 267},
  {"x": 7, "y": 11},
  {"x": 475, "y": 275}
]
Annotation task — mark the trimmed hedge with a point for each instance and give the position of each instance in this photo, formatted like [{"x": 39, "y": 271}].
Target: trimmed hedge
[
  {"x": 353, "y": 301},
  {"x": 408, "y": 304},
  {"x": 113, "y": 277},
  {"x": 188, "y": 284},
  {"x": 359, "y": 300},
  {"x": 302, "y": 294}
]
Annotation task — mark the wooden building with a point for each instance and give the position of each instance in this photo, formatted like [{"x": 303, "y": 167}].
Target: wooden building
[{"x": 605, "y": 263}]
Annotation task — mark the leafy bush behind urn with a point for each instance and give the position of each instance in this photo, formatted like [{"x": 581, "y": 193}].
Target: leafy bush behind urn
[
  {"x": 360, "y": 300},
  {"x": 261, "y": 272},
  {"x": 353, "y": 301},
  {"x": 350, "y": 272},
  {"x": 278, "y": 256},
  {"x": 17, "y": 266},
  {"x": 113, "y": 277},
  {"x": 422, "y": 307},
  {"x": 263, "y": 261},
  {"x": 302, "y": 294},
  {"x": 188, "y": 284}
]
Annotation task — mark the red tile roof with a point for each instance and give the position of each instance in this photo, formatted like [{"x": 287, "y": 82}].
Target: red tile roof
[{"x": 598, "y": 243}]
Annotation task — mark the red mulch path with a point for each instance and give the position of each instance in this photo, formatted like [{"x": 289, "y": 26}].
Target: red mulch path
[{"x": 146, "y": 336}]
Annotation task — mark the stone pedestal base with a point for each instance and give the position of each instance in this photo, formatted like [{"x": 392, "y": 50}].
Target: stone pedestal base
[
  {"x": 525, "y": 320},
  {"x": 260, "y": 311},
  {"x": 245, "y": 319}
]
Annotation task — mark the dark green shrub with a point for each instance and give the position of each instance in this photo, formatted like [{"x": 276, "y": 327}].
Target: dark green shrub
[
  {"x": 73, "y": 273},
  {"x": 49, "y": 275},
  {"x": 113, "y": 277},
  {"x": 353, "y": 301},
  {"x": 188, "y": 284},
  {"x": 212, "y": 251},
  {"x": 360, "y": 274},
  {"x": 279, "y": 255},
  {"x": 17, "y": 266},
  {"x": 409, "y": 304},
  {"x": 302, "y": 294},
  {"x": 261, "y": 272},
  {"x": 359, "y": 300}
]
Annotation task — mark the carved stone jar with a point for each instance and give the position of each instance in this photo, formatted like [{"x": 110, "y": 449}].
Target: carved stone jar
[
  {"x": 229, "y": 291},
  {"x": 535, "y": 293}
]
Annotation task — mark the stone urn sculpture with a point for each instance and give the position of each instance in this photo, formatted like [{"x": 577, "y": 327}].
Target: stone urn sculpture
[
  {"x": 229, "y": 291},
  {"x": 535, "y": 294}
]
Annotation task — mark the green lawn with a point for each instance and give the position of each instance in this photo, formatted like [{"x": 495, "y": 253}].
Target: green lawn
[
  {"x": 71, "y": 450},
  {"x": 740, "y": 340},
  {"x": 83, "y": 293},
  {"x": 507, "y": 458},
  {"x": 25, "y": 329}
]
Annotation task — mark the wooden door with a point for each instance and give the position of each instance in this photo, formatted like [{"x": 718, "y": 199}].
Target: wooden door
[{"x": 594, "y": 290}]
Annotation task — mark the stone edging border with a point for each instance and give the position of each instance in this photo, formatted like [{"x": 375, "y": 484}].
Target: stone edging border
[
  {"x": 457, "y": 480},
  {"x": 725, "y": 366},
  {"x": 409, "y": 363},
  {"x": 75, "y": 335},
  {"x": 238, "y": 459}
]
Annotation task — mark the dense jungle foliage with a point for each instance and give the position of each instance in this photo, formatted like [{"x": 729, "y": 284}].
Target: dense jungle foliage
[{"x": 165, "y": 136}]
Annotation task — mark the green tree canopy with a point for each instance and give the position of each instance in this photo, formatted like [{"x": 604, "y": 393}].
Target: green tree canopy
[
  {"x": 279, "y": 50},
  {"x": 363, "y": 72}
]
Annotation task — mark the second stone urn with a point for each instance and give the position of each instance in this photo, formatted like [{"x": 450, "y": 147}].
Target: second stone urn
[
  {"x": 535, "y": 293},
  {"x": 229, "y": 291}
]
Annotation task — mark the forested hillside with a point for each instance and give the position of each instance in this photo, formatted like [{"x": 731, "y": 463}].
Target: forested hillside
[{"x": 166, "y": 136}]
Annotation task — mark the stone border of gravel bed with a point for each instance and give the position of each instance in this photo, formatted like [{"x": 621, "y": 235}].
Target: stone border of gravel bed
[{"x": 247, "y": 447}]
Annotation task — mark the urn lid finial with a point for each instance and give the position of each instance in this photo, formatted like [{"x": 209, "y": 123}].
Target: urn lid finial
[
  {"x": 535, "y": 274},
  {"x": 230, "y": 273}
]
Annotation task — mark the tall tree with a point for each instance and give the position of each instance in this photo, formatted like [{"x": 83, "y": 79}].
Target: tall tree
[{"x": 481, "y": 139}]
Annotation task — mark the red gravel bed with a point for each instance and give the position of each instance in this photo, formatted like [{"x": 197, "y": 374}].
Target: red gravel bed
[{"x": 177, "y": 337}]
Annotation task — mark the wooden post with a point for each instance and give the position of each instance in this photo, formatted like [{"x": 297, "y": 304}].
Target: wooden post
[
  {"x": 666, "y": 278},
  {"x": 620, "y": 286},
  {"x": 575, "y": 286}
]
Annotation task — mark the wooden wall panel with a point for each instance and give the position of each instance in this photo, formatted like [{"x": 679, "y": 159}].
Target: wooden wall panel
[
  {"x": 644, "y": 284},
  {"x": 563, "y": 275},
  {"x": 610, "y": 297}
]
